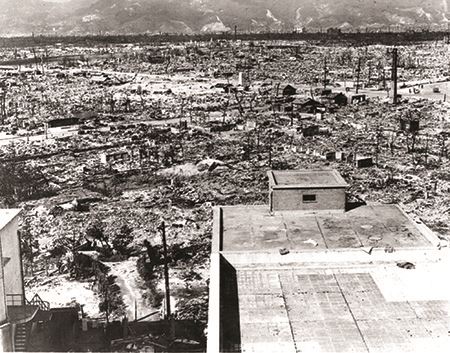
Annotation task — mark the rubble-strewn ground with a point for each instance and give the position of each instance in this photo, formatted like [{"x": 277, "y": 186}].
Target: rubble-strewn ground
[
  {"x": 60, "y": 291},
  {"x": 183, "y": 144}
]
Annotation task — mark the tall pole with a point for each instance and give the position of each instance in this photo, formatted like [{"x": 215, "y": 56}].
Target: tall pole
[
  {"x": 35, "y": 58},
  {"x": 325, "y": 74},
  {"x": 166, "y": 271},
  {"x": 107, "y": 304},
  {"x": 358, "y": 72},
  {"x": 270, "y": 148},
  {"x": 394, "y": 73},
  {"x": 383, "y": 75},
  {"x": 2, "y": 106}
]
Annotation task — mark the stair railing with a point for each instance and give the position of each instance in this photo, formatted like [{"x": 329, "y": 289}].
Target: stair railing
[{"x": 37, "y": 300}]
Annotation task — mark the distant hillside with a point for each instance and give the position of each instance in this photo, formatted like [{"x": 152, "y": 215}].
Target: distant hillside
[{"x": 23, "y": 17}]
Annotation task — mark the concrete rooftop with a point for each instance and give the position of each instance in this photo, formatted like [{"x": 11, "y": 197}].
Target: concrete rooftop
[
  {"x": 307, "y": 178},
  {"x": 252, "y": 228},
  {"x": 339, "y": 289},
  {"x": 382, "y": 308}
]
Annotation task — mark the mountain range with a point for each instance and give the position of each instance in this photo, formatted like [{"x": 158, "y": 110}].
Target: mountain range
[{"x": 69, "y": 17}]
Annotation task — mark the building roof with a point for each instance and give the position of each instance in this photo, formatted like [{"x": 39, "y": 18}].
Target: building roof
[
  {"x": 339, "y": 289},
  {"x": 367, "y": 280},
  {"x": 252, "y": 228},
  {"x": 342, "y": 308},
  {"x": 7, "y": 215},
  {"x": 289, "y": 86},
  {"x": 307, "y": 101},
  {"x": 308, "y": 178}
]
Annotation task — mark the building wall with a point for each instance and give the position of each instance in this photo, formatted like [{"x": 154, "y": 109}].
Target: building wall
[
  {"x": 3, "y": 313},
  {"x": 292, "y": 199},
  {"x": 6, "y": 338},
  {"x": 12, "y": 271}
]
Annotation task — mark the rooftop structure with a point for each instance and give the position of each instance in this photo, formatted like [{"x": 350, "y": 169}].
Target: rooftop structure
[
  {"x": 306, "y": 190},
  {"x": 367, "y": 280}
]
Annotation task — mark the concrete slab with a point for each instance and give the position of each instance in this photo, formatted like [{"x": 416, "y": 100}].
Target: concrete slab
[
  {"x": 314, "y": 337},
  {"x": 405, "y": 335},
  {"x": 338, "y": 232},
  {"x": 254, "y": 228},
  {"x": 307, "y": 178},
  {"x": 262, "y": 308},
  {"x": 303, "y": 233},
  {"x": 339, "y": 289},
  {"x": 337, "y": 310},
  {"x": 423, "y": 283},
  {"x": 258, "y": 282}
]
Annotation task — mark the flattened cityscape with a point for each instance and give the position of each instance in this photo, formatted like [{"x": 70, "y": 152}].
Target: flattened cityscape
[{"x": 225, "y": 193}]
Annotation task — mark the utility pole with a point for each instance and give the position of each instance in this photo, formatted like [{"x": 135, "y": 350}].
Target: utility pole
[
  {"x": 384, "y": 76},
  {"x": 394, "y": 74},
  {"x": 2, "y": 105},
  {"x": 325, "y": 74},
  {"x": 162, "y": 228},
  {"x": 377, "y": 148},
  {"x": 35, "y": 59},
  {"x": 270, "y": 148},
  {"x": 107, "y": 303},
  {"x": 358, "y": 72}
]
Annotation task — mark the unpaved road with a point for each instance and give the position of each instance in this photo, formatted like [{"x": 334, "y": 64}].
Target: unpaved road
[{"x": 128, "y": 280}]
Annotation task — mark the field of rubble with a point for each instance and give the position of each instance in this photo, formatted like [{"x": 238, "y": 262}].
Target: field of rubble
[{"x": 164, "y": 133}]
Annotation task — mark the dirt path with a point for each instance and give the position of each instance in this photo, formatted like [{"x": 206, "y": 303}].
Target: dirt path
[{"x": 128, "y": 281}]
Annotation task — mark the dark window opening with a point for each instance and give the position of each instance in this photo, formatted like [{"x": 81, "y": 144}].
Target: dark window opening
[{"x": 309, "y": 198}]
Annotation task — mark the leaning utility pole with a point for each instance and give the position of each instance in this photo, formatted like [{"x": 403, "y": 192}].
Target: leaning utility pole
[
  {"x": 394, "y": 74},
  {"x": 162, "y": 228}
]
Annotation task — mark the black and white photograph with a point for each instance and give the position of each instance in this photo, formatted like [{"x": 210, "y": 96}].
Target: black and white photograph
[{"x": 243, "y": 176}]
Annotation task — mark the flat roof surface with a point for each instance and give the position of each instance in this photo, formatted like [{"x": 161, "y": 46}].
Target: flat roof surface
[
  {"x": 252, "y": 228},
  {"x": 382, "y": 308},
  {"x": 308, "y": 178},
  {"x": 7, "y": 215}
]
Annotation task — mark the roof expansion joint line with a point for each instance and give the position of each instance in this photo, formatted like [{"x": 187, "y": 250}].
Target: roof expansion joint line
[
  {"x": 351, "y": 312},
  {"x": 287, "y": 313},
  {"x": 353, "y": 228},
  {"x": 285, "y": 229},
  {"x": 321, "y": 232}
]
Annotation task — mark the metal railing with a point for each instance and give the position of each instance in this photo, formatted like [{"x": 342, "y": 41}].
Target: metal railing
[
  {"x": 20, "y": 300},
  {"x": 37, "y": 300},
  {"x": 15, "y": 299}
]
